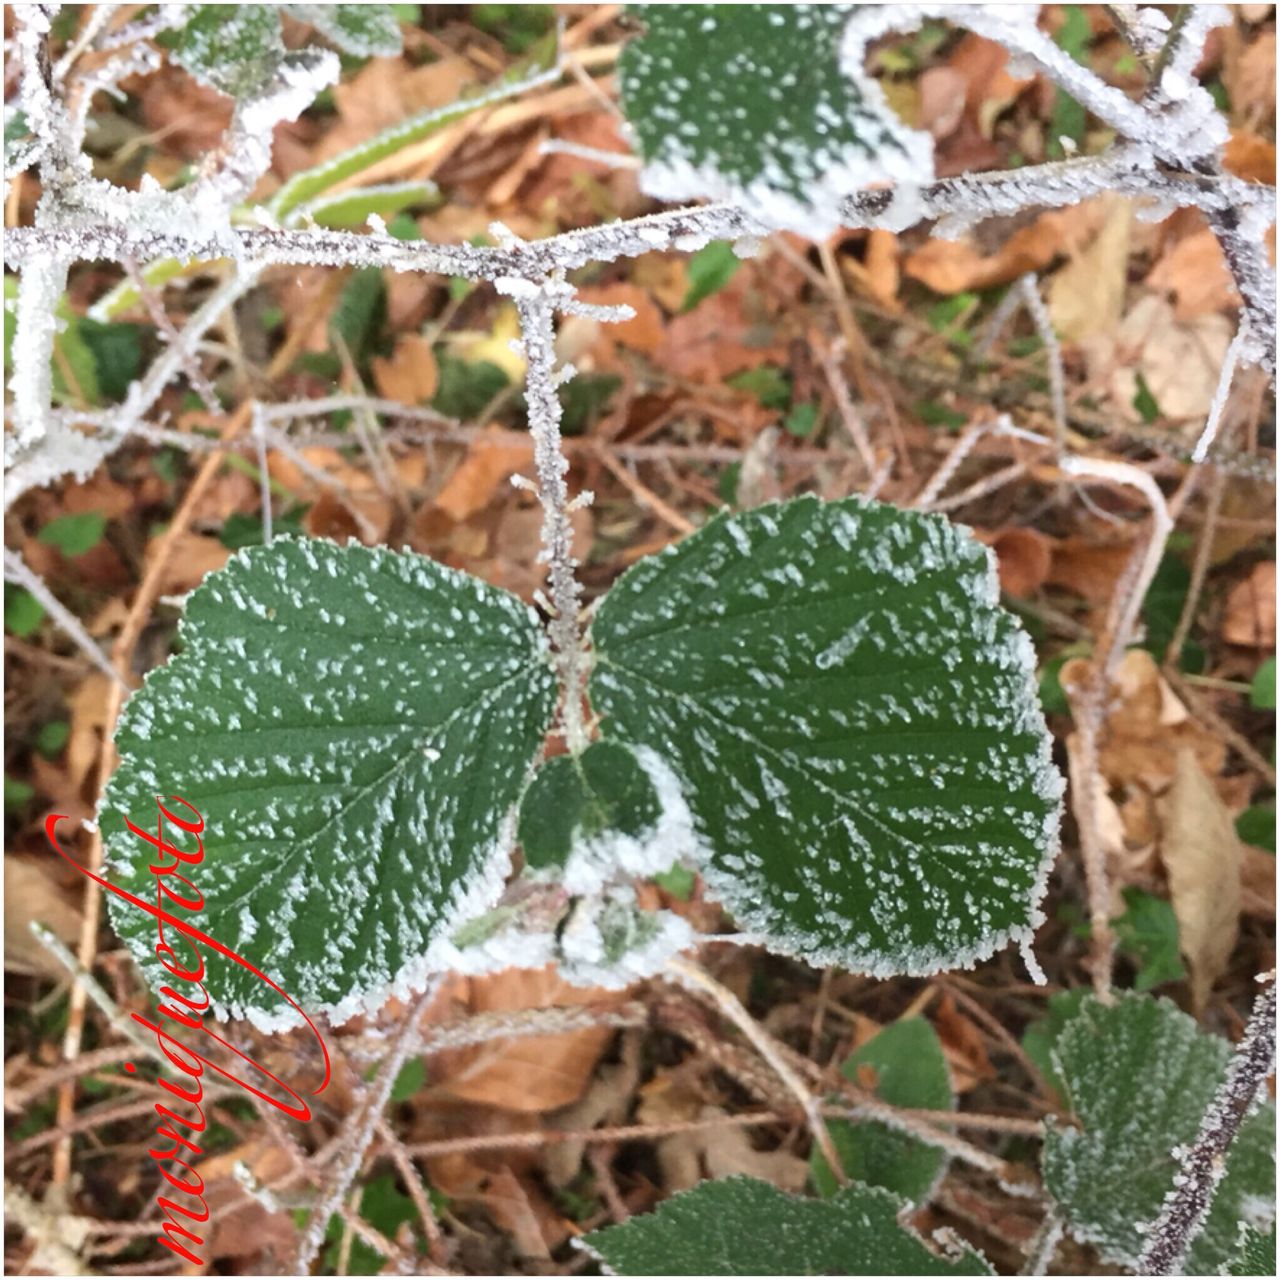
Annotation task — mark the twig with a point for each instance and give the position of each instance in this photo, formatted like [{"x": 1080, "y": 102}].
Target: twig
[
  {"x": 1203, "y": 1164},
  {"x": 17, "y": 571},
  {"x": 357, "y": 1134},
  {"x": 536, "y": 308},
  {"x": 1039, "y": 313},
  {"x": 848, "y": 411},
  {"x": 696, "y": 978}
]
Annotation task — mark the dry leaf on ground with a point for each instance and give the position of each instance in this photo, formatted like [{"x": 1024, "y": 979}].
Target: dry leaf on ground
[
  {"x": 410, "y": 374},
  {"x": 1202, "y": 858},
  {"x": 529, "y": 1073},
  {"x": 1194, "y": 273},
  {"x": 1087, "y": 295},
  {"x": 1250, "y": 614}
]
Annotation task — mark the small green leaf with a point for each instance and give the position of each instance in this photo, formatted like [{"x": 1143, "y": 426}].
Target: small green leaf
[
  {"x": 23, "y": 613},
  {"x": 384, "y": 1207},
  {"x": 1148, "y": 930},
  {"x": 413, "y": 1075},
  {"x": 1162, "y": 609},
  {"x": 575, "y": 799},
  {"x": 516, "y": 25},
  {"x": 1257, "y": 826},
  {"x": 361, "y": 312},
  {"x": 903, "y": 1064},
  {"x": 767, "y": 383},
  {"x": 356, "y": 727},
  {"x": 803, "y": 420},
  {"x": 1053, "y": 697},
  {"x": 750, "y": 103},
  {"x": 710, "y": 269},
  {"x": 1139, "y": 1075},
  {"x": 234, "y": 48},
  {"x": 17, "y": 795},
  {"x": 73, "y": 535},
  {"x": 679, "y": 882},
  {"x": 242, "y": 530},
  {"x": 742, "y": 1227},
  {"x": 853, "y": 721},
  {"x": 362, "y": 30},
  {"x": 1263, "y": 692},
  {"x": 1068, "y": 119},
  {"x": 933, "y": 413},
  {"x": 117, "y": 355},
  {"x": 1145, "y": 402},
  {"x": 466, "y": 388},
  {"x": 52, "y": 738}
]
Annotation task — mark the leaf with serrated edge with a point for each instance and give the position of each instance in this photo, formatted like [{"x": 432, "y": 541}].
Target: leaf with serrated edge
[
  {"x": 356, "y": 727},
  {"x": 741, "y": 1227},
  {"x": 1139, "y": 1075},
  {"x": 362, "y": 30},
  {"x": 234, "y": 48},
  {"x": 748, "y": 103},
  {"x": 855, "y": 725}
]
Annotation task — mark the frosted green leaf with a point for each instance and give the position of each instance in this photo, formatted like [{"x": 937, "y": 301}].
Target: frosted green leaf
[
  {"x": 356, "y": 727},
  {"x": 1255, "y": 1253},
  {"x": 854, "y": 725},
  {"x": 574, "y": 799},
  {"x": 1139, "y": 1076},
  {"x": 743, "y": 1227},
  {"x": 903, "y": 1064},
  {"x": 748, "y": 103},
  {"x": 235, "y": 48},
  {"x": 363, "y": 30}
]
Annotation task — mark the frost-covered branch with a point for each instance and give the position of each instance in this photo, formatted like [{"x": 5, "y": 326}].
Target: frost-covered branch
[
  {"x": 1203, "y": 1165},
  {"x": 536, "y": 305}
]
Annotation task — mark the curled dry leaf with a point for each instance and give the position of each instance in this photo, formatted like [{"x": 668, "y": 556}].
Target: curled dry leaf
[
  {"x": 1202, "y": 857},
  {"x": 485, "y": 471}
]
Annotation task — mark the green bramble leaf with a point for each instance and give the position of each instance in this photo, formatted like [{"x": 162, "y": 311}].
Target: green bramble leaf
[
  {"x": 742, "y": 1227},
  {"x": 578, "y": 799},
  {"x": 908, "y": 1069},
  {"x": 234, "y": 48},
  {"x": 362, "y": 30},
  {"x": 1139, "y": 1075},
  {"x": 749, "y": 103},
  {"x": 1255, "y": 1252},
  {"x": 1148, "y": 931},
  {"x": 356, "y": 727},
  {"x": 853, "y": 721},
  {"x": 1257, "y": 826}
]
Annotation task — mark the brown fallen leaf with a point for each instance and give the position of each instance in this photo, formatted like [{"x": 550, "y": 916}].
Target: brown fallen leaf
[
  {"x": 1202, "y": 858},
  {"x": 1088, "y": 568},
  {"x": 1194, "y": 273},
  {"x": 33, "y": 892},
  {"x": 194, "y": 556},
  {"x": 1023, "y": 558},
  {"x": 529, "y": 1073},
  {"x": 1250, "y": 614},
  {"x": 721, "y": 1152},
  {"x": 410, "y": 374},
  {"x": 1087, "y": 295},
  {"x": 962, "y": 1045},
  {"x": 950, "y": 266},
  {"x": 488, "y": 466},
  {"x": 644, "y": 332}
]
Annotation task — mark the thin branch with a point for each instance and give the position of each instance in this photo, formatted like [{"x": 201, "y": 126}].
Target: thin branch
[{"x": 1203, "y": 1164}]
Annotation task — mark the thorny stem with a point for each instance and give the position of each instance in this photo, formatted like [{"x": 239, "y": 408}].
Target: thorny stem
[
  {"x": 1203, "y": 1164},
  {"x": 537, "y": 322}
]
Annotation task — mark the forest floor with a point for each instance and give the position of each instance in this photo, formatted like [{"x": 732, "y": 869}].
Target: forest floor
[{"x": 854, "y": 366}]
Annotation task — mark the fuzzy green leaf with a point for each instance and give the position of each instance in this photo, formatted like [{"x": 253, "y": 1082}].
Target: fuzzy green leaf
[
  {"x": 356, "y": 727},
  {"x": 575, "y": 799},
  {"x": 907, "y": 1069},
  {"x": 1139, "y": 1076},
  {"x": 362, "y": 30},
  {"x": 749, "y": 103},
  {"x": 742, "y": 1227},
  {"x": 854, "y": 724},
  {"x": 235, "y": 48}
]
